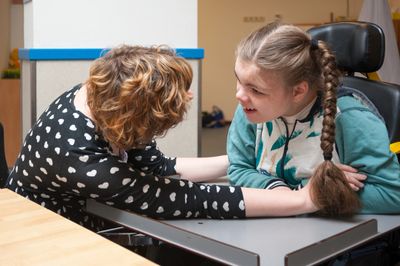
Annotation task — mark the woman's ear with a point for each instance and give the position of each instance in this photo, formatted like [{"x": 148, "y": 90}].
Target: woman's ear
[{"x": 300, "y": 91}]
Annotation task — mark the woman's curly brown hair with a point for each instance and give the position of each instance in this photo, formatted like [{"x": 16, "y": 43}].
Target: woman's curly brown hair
[{"x": 136, "y": 93}]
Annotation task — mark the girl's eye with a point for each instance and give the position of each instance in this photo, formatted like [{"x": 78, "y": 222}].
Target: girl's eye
[{"x": 255, "y": 91}]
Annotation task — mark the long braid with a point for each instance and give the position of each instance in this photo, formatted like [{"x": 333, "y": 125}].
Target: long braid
[
  {"x": 329, "y": 102},
  {"x": 331, "y": 191}
]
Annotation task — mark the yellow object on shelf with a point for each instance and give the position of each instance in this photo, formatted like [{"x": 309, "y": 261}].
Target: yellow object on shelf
[
  {"x": 13, "y": 62},
  {"x": 13, "y": 71}
]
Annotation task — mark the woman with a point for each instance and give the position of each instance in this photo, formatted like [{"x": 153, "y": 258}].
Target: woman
[{"x": 97, "y": 141}]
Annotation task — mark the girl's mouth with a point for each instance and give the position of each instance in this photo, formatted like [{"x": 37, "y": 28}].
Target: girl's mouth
[{"x": 249, "y": 110}]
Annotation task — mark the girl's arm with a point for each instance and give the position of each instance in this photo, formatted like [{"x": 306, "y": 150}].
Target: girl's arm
[
  {"x": 366, "y": 147},
  {"x": 241, "y": 143}
]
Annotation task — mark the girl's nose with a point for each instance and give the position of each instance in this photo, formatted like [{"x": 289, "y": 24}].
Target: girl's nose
[{"x": 240, "y": 94}]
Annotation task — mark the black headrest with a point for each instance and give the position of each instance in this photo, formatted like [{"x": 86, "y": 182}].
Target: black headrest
[{"x": 358, "y": 46}]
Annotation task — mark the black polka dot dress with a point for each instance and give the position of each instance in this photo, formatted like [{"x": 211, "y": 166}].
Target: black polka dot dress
[{"x": 65, "y": 161}]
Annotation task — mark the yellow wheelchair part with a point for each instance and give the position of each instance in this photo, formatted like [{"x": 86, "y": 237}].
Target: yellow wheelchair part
[{"x": 395, "y": 147}]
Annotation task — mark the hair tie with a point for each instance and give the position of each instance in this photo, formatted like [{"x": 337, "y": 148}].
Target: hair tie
[
  {"x": 327, "y": 157},
  {"x": 314, "y": 44}
]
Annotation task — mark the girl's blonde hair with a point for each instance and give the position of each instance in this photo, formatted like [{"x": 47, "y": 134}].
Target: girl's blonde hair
[
  {"x": 136, "y": 93},
  {"x": 291, "y": 52}
]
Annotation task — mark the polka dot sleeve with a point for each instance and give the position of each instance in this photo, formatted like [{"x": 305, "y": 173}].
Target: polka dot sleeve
[
  {"x": 118, "y": 184},
  {"x": 152, "y": 161}
]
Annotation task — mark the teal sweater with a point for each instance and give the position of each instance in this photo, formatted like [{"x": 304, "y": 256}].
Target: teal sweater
[{"x": 261, "y": 155}]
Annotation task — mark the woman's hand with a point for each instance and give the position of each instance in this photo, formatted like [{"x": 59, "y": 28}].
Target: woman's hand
[
  {"x": 354, "y": 178},
  {"x": 310, "y": 206}
]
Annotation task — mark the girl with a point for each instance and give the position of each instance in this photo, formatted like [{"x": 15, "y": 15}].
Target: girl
[{"x": 290, "y": 127}]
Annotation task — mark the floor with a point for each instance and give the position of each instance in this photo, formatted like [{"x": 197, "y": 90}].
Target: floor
[{"x": 213, "y": 141}]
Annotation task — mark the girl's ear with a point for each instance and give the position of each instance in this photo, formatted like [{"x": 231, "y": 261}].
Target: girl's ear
[{"x": 300, "y": 91}]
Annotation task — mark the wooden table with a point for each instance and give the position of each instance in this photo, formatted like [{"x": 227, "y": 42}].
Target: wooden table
[{"x": 33, "y": 235}]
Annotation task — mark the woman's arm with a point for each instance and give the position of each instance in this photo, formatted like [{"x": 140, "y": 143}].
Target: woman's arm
[
  {"x": 197, "y": 169},
  {"x": 275, "y": 202},
  {"x": 169, "y": 198},
  {"x": 202, "y": 169},
  {"x": 151, "y": 160},
  {"x": 257, "y": 202}
]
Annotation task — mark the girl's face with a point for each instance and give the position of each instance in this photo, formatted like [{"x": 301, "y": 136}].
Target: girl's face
[{"x": 262, "y": 93}]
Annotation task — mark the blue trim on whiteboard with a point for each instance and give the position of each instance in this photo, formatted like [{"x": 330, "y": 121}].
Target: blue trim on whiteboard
[
  {"x": 38, "y": 54},
  {"x": 190, "y": 53}
]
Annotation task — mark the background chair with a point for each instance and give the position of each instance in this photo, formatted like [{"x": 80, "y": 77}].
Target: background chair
[
  {"x": 360, "y": 47},
  {"x": 3, "y": 162}
]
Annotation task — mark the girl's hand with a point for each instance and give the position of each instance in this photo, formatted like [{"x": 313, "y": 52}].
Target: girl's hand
[{"x": 354, "y": 178}]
